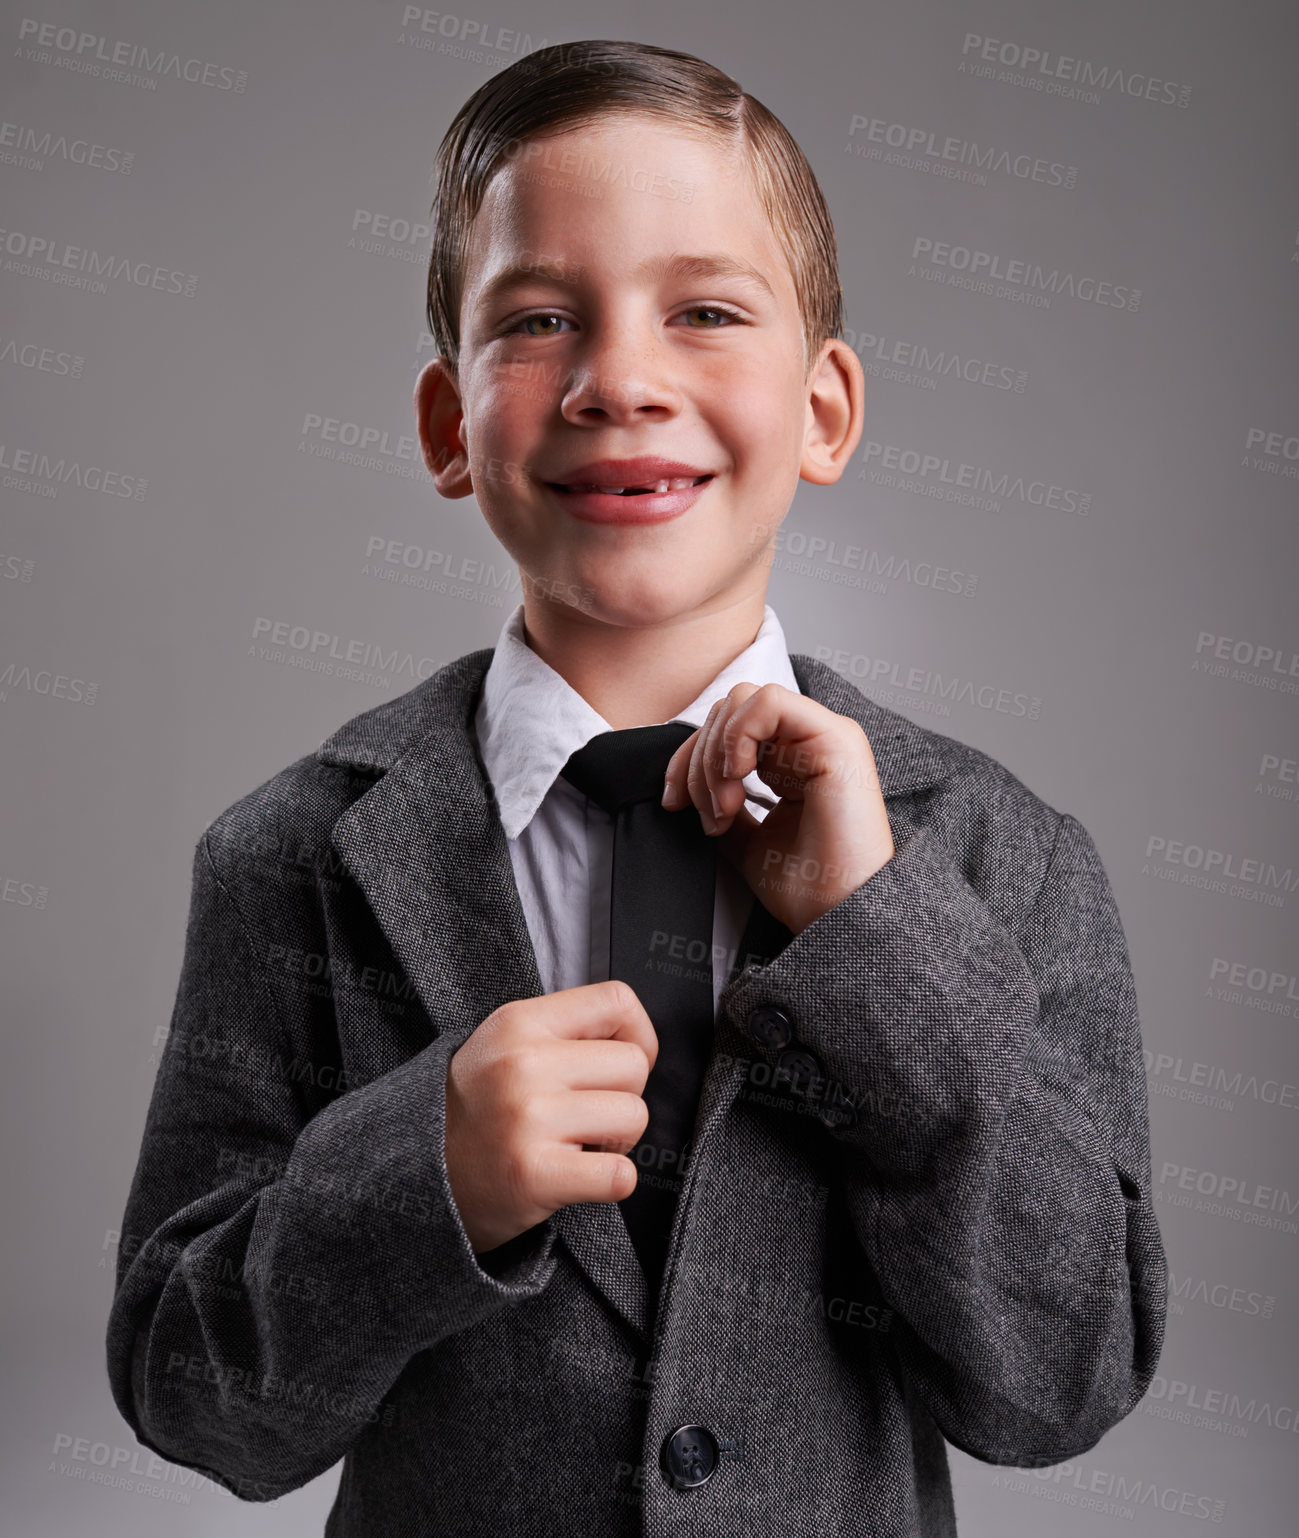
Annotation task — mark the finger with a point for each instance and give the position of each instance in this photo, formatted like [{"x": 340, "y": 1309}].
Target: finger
[
  {"x": 604, "y": 1119},
  {"x": 706, "y": 753},
  {"x": 788, "y": 737},
  {"x": 736, "y": 748},
  {"x": 674, "y": 779},
  {"x": 589, "y": 1065},
  {"x": 607, "y": 1010},
  {"x": 565, "y": 1174},
  {"x": 724, "y": 783},
  {"x": 696, "y": 780}
]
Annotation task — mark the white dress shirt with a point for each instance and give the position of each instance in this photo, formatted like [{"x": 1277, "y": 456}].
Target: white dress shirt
[{"x": 528, "y": 724}]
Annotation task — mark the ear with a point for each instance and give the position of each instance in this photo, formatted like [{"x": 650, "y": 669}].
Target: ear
[
  {"x": 836, "y": 413},
  {"x": 440, "y": 421}
]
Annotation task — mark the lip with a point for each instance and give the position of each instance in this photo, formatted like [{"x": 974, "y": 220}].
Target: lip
[
  {"x": 628, "y": 472},
  {"x": 651, "y": 507}
]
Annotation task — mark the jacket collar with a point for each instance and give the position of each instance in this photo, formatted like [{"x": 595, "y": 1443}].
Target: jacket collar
[
  {"x": 530, "y": 719},
  {"x": 435, "y": 718},
  {"x": 426, "y": 845}
]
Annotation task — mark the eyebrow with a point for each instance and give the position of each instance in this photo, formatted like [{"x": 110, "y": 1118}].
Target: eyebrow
[{"x": 709, "y": 264}]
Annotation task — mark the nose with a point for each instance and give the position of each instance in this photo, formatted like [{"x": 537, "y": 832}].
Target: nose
[{"x": 620, "y": 376}]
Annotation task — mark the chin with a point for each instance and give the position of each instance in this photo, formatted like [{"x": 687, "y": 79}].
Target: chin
[{"x": 637, "y": 606}]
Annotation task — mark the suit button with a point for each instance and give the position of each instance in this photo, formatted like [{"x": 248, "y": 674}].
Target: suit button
[
  {"x": 837, "y": 1115},
  {"x": 689, "y": 1457},
  {"x": 799, "y": 1068},
  {"x": 769, "y": 1026}
]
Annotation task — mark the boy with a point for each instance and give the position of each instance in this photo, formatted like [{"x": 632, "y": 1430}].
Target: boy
[{"x": 445, "y": 986}]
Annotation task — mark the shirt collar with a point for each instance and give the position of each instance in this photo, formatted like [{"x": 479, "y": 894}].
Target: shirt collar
[{"x": 530, "y": 720}]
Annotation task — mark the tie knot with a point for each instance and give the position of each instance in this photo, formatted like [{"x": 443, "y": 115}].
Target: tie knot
[{"x": 616, "y": 769}]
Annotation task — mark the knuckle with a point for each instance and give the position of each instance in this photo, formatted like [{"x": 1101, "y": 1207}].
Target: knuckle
[
  {"x": 639, "y": 1116},
  {"x": 512, "y": 1078},
  {"x": 620, "y": 1176},
  {"x": 623, "y": 1111},
  {"x": 497, "y": 1073},
  {"x": 637, "y": 1064},
  {"x": 520, "y": 1170},
  {"x": 624, "y": 995},
  {"x": 505, "y": 1024}
]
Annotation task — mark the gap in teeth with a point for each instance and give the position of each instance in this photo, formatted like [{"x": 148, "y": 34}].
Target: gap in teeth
[{"x": 678, "y": 483}]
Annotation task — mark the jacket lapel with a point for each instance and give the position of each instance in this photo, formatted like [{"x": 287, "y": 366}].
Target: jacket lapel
[{"x": 426, "y": 846}]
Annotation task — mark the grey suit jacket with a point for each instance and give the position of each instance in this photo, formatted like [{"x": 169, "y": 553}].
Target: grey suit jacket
[{"x": 918, "y": 1205}]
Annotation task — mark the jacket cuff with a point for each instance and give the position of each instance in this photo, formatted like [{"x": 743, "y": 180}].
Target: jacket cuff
[
  {"x": 401, "y": 1213},
  {"x": 899, "y": 1017}
]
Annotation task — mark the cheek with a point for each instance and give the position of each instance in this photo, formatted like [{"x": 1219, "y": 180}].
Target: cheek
[
  {"x": 766, "y": 422},
  {"x": 499, "y": 402}
]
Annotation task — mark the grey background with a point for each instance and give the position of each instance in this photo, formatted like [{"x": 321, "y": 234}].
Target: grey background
[{"x": 259, "y": 187}]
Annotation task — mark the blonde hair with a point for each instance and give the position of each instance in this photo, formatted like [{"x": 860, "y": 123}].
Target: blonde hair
[{"x": 569, "y": 85}]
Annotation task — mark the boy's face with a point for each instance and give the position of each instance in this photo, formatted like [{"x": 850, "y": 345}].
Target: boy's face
[{"x": 597, "y": 324}]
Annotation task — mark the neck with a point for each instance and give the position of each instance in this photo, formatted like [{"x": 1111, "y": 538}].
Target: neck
[{"x": 640, "y": 675}]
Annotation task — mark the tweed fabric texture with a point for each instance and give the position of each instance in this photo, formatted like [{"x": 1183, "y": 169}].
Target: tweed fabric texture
[{"x": 945, "y": 1234}]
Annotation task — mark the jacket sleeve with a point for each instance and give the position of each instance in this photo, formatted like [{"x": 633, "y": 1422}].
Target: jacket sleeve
[
  {"x": 1003, "y": 1198},
  {"x": 278, "y": 1268}
]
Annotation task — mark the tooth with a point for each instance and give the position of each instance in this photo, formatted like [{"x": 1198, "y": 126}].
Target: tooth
[{"x": 674, "y": 483}]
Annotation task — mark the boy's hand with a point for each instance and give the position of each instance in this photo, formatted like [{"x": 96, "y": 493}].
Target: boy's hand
[
  {"x": 543, "y": 1103},
  {"x": 830, "y": 831}
]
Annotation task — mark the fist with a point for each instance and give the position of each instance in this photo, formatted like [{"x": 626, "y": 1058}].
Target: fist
[{"x": 543, "y": 1104}]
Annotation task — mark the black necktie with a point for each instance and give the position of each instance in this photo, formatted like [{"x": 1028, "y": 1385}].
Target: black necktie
[{"x": 660, "y": 941}]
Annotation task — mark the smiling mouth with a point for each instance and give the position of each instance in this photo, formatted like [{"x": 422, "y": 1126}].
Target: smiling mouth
[{"x": 657, "y": 488}]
